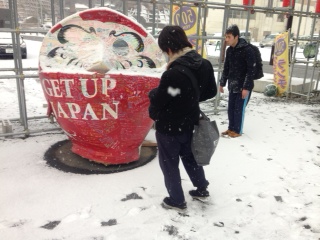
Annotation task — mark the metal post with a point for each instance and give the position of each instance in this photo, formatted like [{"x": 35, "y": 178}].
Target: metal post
[
  {"x": 288, "y": 28},
  {"x": 311, "y": 36},
  {"x": 61, "y": 6},
  {"x": 53, "y": 14},
  {"x": 171, "y": 9},
  {"x": 317, "y": 84},
  {"x": 125, "y": 7},
  {"x": 248, "y": 19},
  {"x": 138, "y": 10},
  {"x": 180, "y": 12},
  {"x": 294, "y": 54},
  {"x": 290, "y": 18},
  {"x": 13, "y": 26},
  {"x": 204, "y": 33},
  {"x": 314, "y": 64},
  {"x": 90, "y": 4},
  {"x": 222, "y": 52},
  {"x": 18, "y": 65},
  {"x": 198, "y": 27},
  {"x": 40, "y": 6},
  {"x": 154, "y": 17}
]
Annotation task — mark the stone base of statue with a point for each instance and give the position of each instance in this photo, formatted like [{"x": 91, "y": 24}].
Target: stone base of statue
[{"x": 62, "y": 158}]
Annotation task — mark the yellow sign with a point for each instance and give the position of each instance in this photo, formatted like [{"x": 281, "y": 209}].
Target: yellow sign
[
  {"x": 187, "y": 18},
  {"x": 281, "y": 62}
]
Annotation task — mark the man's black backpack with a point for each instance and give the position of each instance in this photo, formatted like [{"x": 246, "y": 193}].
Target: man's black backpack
[{"x": 259, "y": 71}]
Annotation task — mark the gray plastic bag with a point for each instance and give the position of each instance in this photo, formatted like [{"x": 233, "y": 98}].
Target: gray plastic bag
[{"x": 204, "y": 140}]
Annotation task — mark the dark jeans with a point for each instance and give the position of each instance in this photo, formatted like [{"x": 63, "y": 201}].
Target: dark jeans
[
  {"x": 236, "y": 111},
  {"x": 170, "y": 149}
]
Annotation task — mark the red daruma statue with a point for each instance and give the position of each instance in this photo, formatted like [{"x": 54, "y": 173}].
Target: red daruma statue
[{"x": 96, "y": 69}]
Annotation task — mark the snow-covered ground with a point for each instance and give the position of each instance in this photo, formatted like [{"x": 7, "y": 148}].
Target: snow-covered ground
[{"x": 263, "y": 185}]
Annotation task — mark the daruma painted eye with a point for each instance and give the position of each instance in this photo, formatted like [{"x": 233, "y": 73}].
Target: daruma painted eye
[
  {"x": 120, "y": 47},
  {"x": 96, "y": 69}
]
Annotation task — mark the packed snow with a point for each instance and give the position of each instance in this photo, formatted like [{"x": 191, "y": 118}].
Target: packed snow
[{"x": 263, "y": 185}]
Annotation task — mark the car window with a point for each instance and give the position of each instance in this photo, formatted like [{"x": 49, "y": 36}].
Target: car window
[
  {"x": 271, "y": 36},
  {"x": 244, "y": 34}
]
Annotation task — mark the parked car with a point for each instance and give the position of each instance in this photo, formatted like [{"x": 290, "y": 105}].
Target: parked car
[
  {"x": 305, "y": 39},
  {"x": 46, "y": 26},
  {"x": 246, "y": 35},
  {"x": 6, "y": 46},
  {"x": 268, "y": 41}
]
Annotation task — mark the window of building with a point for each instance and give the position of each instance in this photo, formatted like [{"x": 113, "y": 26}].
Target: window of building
[
  {"x": 240, "y": 14},
  {"x": 280, "y": 18}
]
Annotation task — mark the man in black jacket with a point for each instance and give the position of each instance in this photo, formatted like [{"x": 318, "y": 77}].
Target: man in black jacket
[
  {"x": 239, "y": 69},
  {"x": 174, "y": 106}
]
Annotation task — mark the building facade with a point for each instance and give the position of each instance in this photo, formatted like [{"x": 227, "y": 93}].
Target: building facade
[{"x": 261, "y": 23}]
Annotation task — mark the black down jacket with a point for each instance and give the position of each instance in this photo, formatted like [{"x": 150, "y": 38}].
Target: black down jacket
[
  {"x": 239, "y": 67},
  {"x": 173, "y": 104}
]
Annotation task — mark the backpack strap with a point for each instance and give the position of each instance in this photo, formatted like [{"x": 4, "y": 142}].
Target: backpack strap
[{"x": 186, "y": 71}]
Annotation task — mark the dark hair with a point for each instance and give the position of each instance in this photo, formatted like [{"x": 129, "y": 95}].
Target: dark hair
[
  {"x": 173, "y": 38},
  {"x": 233, "y": 29}
]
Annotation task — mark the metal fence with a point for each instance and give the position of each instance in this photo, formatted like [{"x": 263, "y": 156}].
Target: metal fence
[{"x": 152, "y": 18}]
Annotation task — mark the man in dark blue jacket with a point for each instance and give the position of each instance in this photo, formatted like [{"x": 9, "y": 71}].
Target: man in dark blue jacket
[
  {"x": 174, "y": 106},
  {"x": 239, "y": 69}
]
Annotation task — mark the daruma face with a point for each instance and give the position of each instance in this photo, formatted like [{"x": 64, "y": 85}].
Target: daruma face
[{"x": 97, "y": 88}]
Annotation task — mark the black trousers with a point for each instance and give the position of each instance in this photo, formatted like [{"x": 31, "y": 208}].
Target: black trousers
[
  {"x": 171, "y": 149},
  {"x": 236, "y": 111}
]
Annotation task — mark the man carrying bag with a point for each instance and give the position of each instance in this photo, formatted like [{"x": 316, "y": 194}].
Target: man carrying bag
[
  {"x": 206, "y": 135},
  {"x": 174, "y": 106}
]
